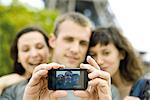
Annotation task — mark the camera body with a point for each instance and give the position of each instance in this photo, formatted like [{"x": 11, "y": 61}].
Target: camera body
[{"x": 67, "y": 79}]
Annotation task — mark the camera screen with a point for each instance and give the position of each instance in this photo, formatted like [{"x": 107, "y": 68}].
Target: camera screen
[{"x": 68, "y": 79}]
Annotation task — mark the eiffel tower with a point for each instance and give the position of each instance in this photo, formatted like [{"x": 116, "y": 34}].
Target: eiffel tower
[{"x": 98, "y": 11}]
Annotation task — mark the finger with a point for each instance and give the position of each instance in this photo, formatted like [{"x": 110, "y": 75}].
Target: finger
[
  {"x": 82, "y": 94},
  {"x": 55, "y": 66},
  {"x": 101, "y": 85},
  {"x": 92, "y": 62},
  {"x": 40, "y": 67},
  {"x": 48, "y": 67},
  {"x": 98, "y": 81},
  {"x": 94, "y": 73},
  {"x": 59, "y": 93},
  {"x": 37, "y": 76},
  {"x": 100, "y": 74},
  {"x": 88, "y": 67}
]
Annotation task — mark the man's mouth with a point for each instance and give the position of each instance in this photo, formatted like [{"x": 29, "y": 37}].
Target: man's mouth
[{"x": 72, "y": 60}]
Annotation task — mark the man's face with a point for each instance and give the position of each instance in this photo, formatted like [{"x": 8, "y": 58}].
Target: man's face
[{"x": 71, "y": 44}]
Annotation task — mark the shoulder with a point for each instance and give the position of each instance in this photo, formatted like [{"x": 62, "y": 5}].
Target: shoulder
[
  {"x": 14, "y": 91},
  {"x": 10, "y": 79},
  {"x": 17, "y": 85},
  {"x": 9, "y": 76},
  {"x": 115, "y": 93},
  {"x": 141, "y": 88}
]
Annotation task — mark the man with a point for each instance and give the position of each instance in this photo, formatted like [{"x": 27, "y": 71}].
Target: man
[
  {"x": 70, "y": 40},
  {"x": 70, "y": 43}
]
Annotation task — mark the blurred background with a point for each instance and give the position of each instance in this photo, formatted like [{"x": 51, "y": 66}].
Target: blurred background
[{"x": 131, "y": 16}]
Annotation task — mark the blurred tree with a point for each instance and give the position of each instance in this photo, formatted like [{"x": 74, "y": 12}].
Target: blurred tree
[{"x": 12, "y": 19}]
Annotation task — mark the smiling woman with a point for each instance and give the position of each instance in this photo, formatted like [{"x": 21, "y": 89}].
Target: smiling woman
[
  {"x": 29, "y": 49},
  {"x": 32, "y": 51}
]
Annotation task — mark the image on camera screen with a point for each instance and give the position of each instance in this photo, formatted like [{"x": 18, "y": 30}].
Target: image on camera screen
[{"x": 69, "y": 79}]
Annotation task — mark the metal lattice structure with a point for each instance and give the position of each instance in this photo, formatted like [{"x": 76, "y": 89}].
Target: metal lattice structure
[{"x": 97, "y": 10}]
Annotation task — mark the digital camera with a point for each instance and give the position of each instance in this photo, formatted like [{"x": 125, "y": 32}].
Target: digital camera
[{"x": 67, "y": 79}]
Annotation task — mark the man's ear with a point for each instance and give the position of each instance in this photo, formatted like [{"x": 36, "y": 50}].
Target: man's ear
[{"x": 52, "y": 41}]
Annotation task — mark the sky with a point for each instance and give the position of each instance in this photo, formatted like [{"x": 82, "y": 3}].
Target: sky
[
  {"x": 34, "y": 3},
  {"x": 132, "y": 15},
  {"x": 134, "y": 18}
]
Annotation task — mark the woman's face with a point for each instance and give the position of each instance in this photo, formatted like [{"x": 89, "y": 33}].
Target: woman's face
[
  {"x": 32, "y": 50},
  {"x": 107, "y": 56}
]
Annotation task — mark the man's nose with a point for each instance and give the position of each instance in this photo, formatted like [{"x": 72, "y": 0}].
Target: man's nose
[{"x": 75, "y": 47}]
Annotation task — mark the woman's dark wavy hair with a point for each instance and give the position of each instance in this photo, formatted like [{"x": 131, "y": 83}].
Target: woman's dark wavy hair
[
  {"x": 18, "y": 68},
  {"x": 131, "y": 66}
]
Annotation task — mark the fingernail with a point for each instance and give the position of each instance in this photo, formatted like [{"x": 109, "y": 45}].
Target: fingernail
[
  {"x": 81, "y": 65},
  {"x": 88, "y": 57},
  {"x": 90, "y": 83}
]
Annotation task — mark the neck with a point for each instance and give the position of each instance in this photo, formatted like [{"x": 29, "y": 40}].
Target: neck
[
  {"x": 123, "y": 86},
  {"x": 27, "y": 75}
]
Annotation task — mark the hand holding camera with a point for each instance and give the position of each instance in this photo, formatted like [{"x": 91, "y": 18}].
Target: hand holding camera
[{"x": 98, "y": 87}]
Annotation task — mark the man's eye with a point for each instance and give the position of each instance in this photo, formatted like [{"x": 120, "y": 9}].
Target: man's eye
[
  {"x": 84, "y": 43},
  {"x": 69, "y": 39}
]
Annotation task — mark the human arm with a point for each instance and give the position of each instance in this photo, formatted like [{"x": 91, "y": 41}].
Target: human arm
[{"x": 8, "y": 80}]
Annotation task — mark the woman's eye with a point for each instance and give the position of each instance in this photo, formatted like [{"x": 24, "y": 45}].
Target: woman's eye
[
  {"x": 25, "y": 49},
  {"x": 39, "y": 46},
  {"x": 106, "y": 53}
]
